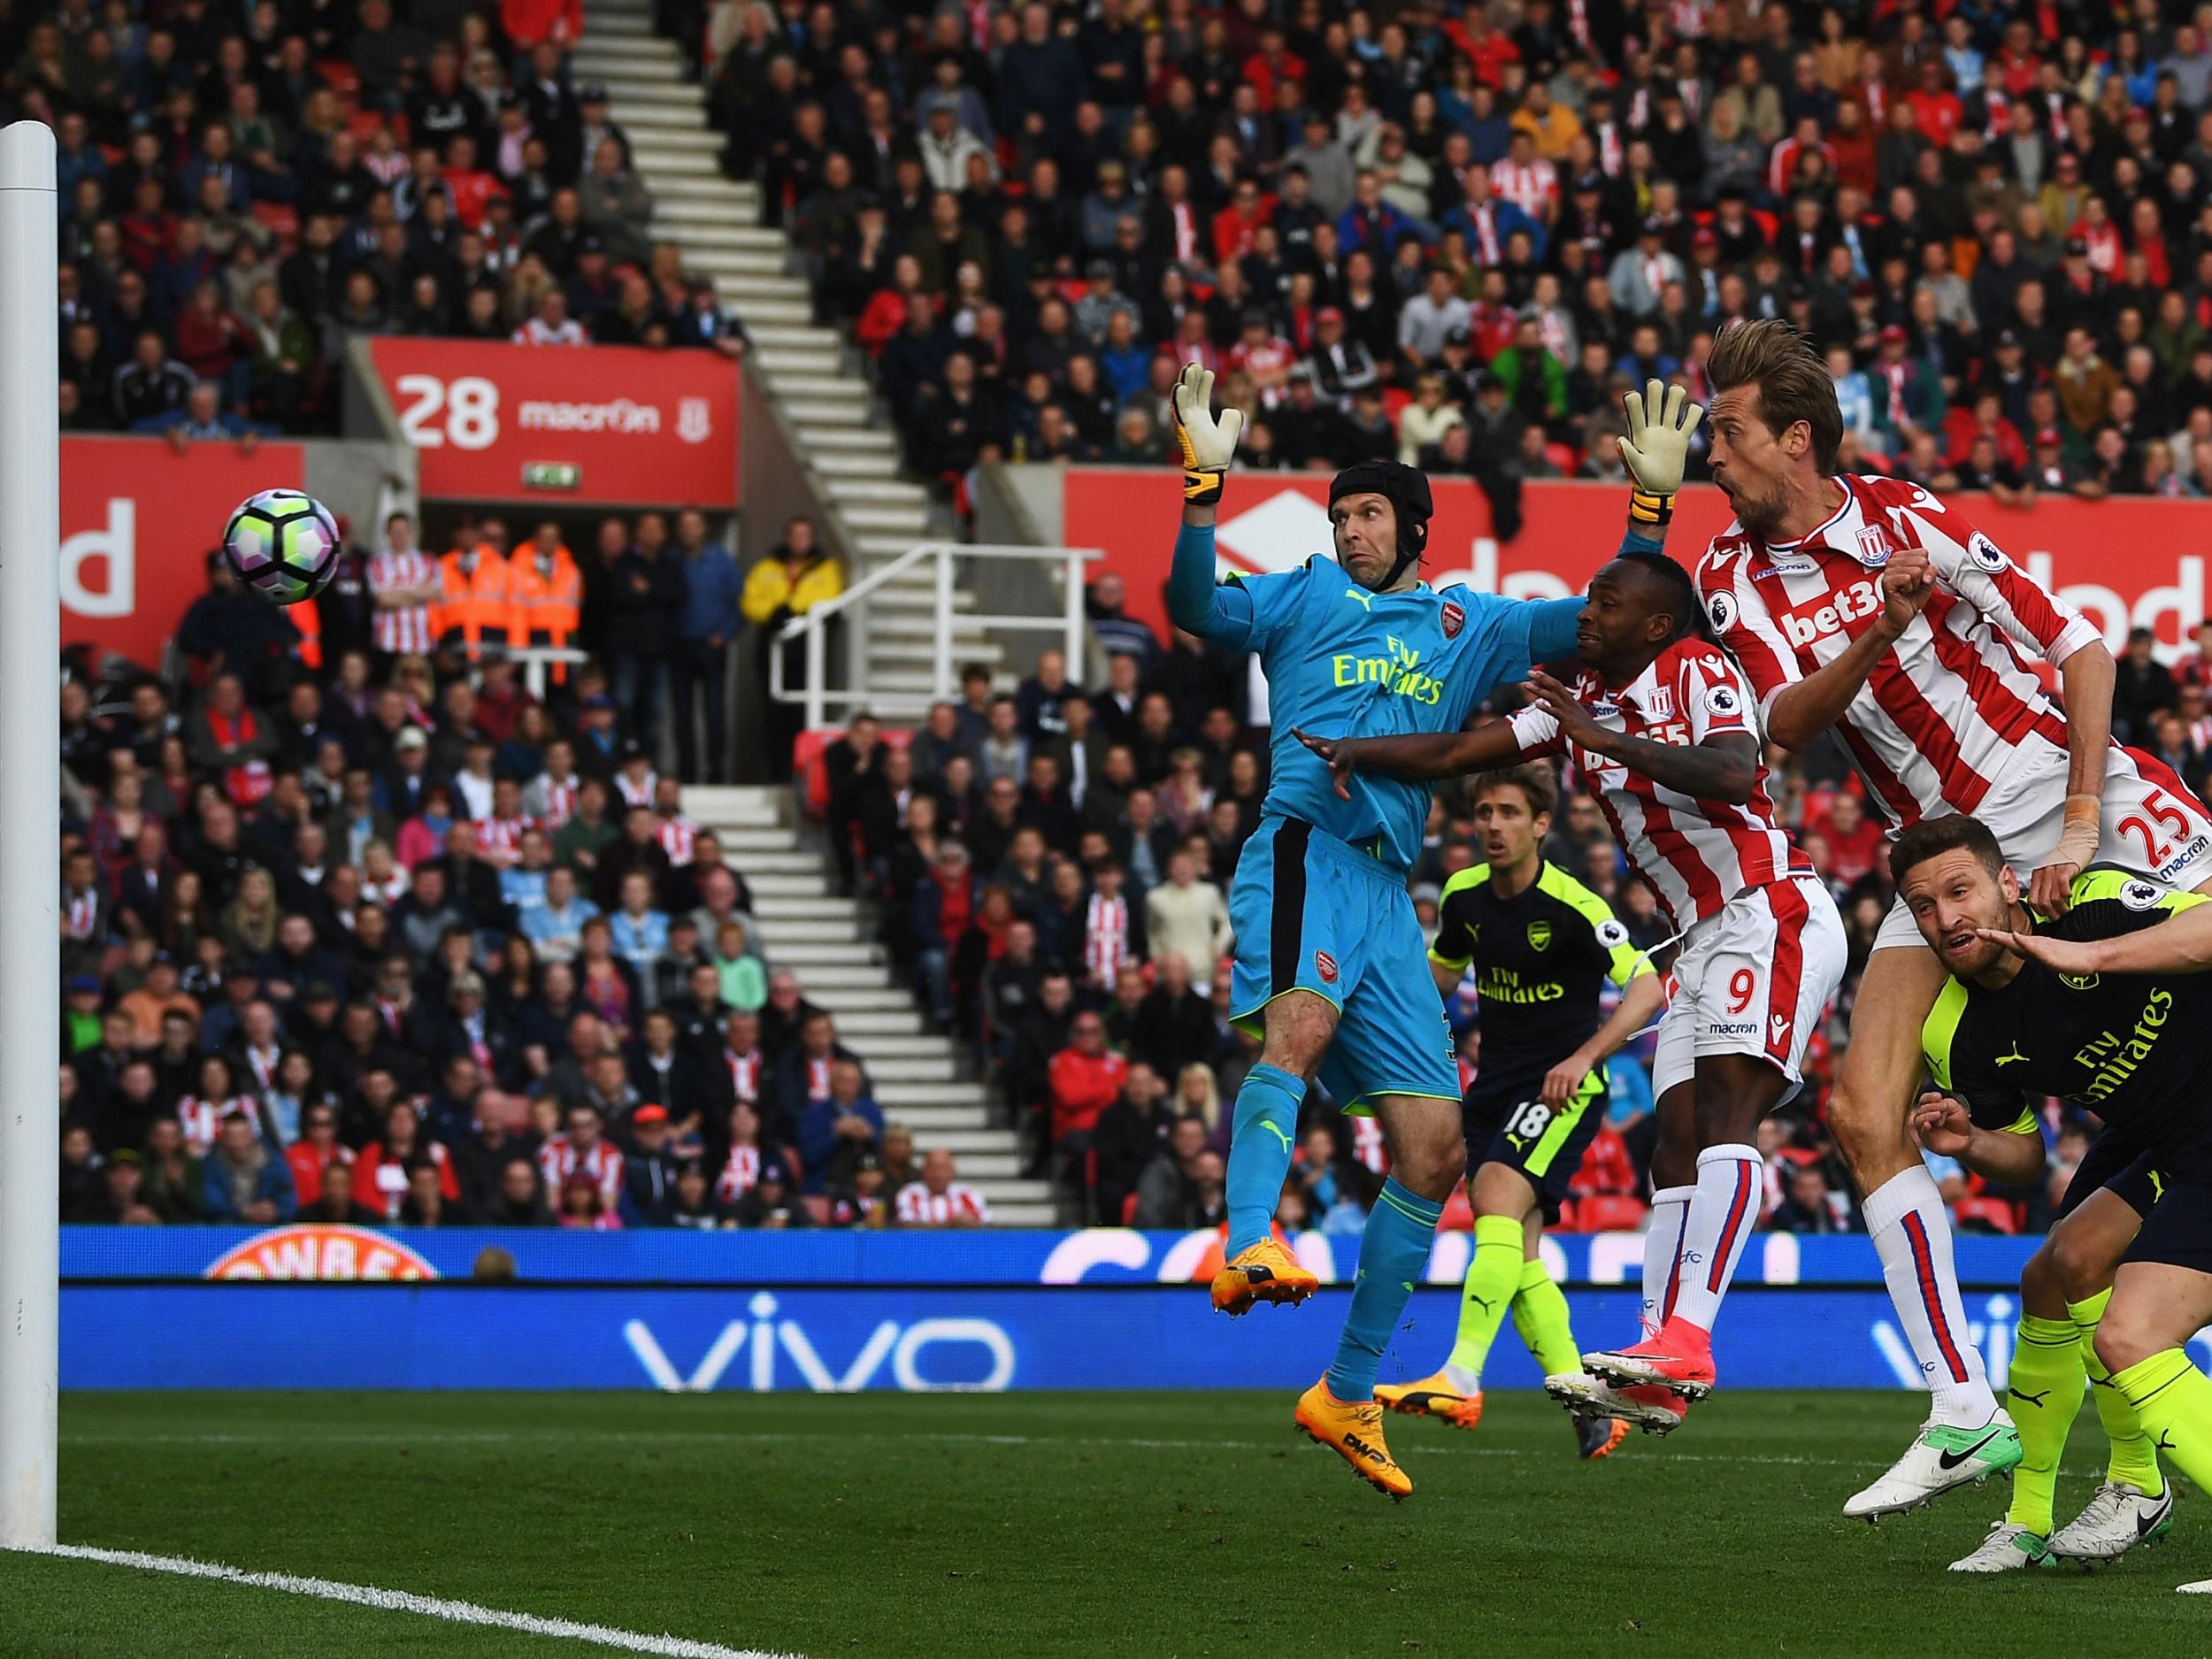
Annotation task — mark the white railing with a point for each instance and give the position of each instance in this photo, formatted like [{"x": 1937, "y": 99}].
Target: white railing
[
  {"x": 817, "y": 694},
  {"x": 536, "y": 658}
]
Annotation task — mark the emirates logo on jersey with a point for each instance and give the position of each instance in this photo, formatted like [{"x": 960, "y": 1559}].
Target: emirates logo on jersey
[
  {"x": 1454, "y": 618},
  {"x": 1325, "y": 965}
]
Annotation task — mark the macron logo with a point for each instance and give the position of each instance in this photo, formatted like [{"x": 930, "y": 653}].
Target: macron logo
[
  {"x": 1851, "y": 604},
  {"x": 1781, "y": 1024}
]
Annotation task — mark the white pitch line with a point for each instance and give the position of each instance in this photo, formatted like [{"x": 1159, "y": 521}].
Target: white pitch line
[{"x": 401, "y": 1602}]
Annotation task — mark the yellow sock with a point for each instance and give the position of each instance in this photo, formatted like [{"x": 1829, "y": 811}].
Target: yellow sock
[
  {"x": 2134, "y": 1459},
  {"x": 1539, "y": 1314},
  {"x": 1492, "y": 1278},
  {"x": 2173, "y": 1402},
  {"x": 2044, "y": 1395}
]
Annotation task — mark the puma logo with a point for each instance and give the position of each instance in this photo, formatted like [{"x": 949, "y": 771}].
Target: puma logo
[
  {"x": 2014, "y": 1058},
  {"x": 1277, "y": 1131},
  {"x": 1366, "y": 600},
  {"x": 1483, "y": 1302},
  {"x": 2165, "y": 1439},
  {"x": 2029, "y": 1399}
]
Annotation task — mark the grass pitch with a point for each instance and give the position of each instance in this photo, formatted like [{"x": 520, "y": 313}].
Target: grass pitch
[{"x": 1045, "y": 1525}]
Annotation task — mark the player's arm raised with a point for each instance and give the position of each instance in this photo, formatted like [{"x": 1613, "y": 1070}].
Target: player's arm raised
[
  {"x": 1724, "y": 767},
  {"x": 1801, "y": 711},
  {"x": 1207, "y": 444},
  {"x": 2182, "y": 943},
  {"x": 1417, "y": 758},
  {"x": 1656, "y": 451},
  {"x": 2012, "y": 1156}
]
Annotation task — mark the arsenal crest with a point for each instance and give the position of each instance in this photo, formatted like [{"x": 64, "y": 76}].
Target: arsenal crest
[
  {"x": 1454, "y": 619},
  {"x": 1540, "y": 936},
  {"x": 1325, "y": 965}
]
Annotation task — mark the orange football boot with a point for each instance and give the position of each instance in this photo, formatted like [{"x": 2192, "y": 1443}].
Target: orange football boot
[
  {"x": 1265, "y": 1272},
  {"x": 1353, "y": 1432}
]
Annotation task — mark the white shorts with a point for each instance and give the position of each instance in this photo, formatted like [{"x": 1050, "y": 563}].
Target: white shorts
[
  {"x": 2153, "y": 826},
  {"x": 1753, "y": 978}
]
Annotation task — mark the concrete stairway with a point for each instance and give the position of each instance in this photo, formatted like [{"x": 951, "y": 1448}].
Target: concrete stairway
[
  {"x": 808, "y": 370},
  {"x": 923, "y": 1081}
]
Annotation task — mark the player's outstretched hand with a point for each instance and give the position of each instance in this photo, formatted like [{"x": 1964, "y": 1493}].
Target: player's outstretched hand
[
  {"x": 1331, "y": 751},
  {"x": 1942, "y": 1124},
  {"x": 1660, "y": 419},
  {"x": 1209, "y": 442},
  {"x": 1575, "y": 724},
  {"x": 1907, "y": 581},
  {"x": 2060, "y": 955}
]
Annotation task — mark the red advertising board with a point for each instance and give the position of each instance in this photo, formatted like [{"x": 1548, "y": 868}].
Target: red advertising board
[
  {"x": 639, "y": 428},
  {"x": 137, "y": 522},
  {"x": 2121, "y": 562}
]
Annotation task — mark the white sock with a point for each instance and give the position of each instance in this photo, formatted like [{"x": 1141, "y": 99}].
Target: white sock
[
  {"x": 1912, "y": 1232},
  {"x": 1663, "y": 1238},
  {"x": 1723, "y": 1210},
  {"x": 1468, "y": 1382}
]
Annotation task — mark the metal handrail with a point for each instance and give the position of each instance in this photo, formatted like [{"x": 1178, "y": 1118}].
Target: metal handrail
[{"x": 817, "y": 695}]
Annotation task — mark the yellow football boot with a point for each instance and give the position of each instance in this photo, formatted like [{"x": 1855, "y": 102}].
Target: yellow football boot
[
  {"x": 1265, "y": 1272},
  {"x": 1433, "y": 1397},
  {"x": 1353, "y": 1432}
]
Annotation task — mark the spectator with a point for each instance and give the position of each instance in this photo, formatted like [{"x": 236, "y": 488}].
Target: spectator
[
  {"x": 1187, "y": 917},
  {"x": 1085, "y": 1078},
  {"x": 246, "y": 1180},
  {"x": 938, "y": 1201},
  {"x": 837, "y": 1130}
]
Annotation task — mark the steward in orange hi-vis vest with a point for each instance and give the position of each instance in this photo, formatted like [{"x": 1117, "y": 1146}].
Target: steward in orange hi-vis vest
[
  {"x": 478, "y": 604},
  {"x": 546, "y": 594}
]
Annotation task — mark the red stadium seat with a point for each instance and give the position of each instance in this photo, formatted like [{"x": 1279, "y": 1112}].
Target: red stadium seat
[
  {"x": 1459, "y": 1215},
  {"x": 1993, "y": 1213},
  {"x": 1609, "y": 1212}
]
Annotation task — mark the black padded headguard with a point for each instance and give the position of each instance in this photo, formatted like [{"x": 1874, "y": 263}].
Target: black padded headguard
[{"x": 1408, "y": 492}]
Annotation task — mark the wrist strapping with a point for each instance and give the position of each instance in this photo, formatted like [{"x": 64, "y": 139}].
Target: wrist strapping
[
  {"x": 1646, "y": 508},
  {"x": 2085, "y": 828}
]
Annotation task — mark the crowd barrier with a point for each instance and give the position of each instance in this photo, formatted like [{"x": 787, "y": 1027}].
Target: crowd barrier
[{"x": 331, "y": 1308}]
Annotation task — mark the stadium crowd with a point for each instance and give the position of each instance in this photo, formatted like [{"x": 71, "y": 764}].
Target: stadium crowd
[
  {"x": 242, "y": 192},
  {"x": 354, "y": 928},
  {"x": 1452, "y": 233}
]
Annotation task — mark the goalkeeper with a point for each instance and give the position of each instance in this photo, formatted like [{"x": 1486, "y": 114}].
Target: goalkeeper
[{"x": 1326, "y": 940}]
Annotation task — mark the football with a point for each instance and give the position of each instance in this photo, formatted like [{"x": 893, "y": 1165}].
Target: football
[{"x": 283, "y": 545}]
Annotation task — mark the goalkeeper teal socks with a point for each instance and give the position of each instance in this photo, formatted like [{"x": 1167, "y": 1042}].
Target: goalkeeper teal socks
[
  {"x": 1401, "y": 1230},
  {"x": 1262, "y": 1136}
]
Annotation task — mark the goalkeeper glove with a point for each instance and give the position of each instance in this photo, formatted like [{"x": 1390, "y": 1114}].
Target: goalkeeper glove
[
  {"x": 1208, "y": 443},
  {"x": 1661, "y": 419}
]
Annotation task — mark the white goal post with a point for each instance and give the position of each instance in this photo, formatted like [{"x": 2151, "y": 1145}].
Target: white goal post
[{"x": 30, "y": 768}]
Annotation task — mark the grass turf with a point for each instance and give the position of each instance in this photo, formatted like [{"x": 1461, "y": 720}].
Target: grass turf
[{"x": 1043, "y": 1524}]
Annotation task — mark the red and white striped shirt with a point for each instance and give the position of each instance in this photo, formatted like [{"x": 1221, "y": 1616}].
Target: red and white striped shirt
[
  {"x": 558, "y": 1159},
  {"x": 741, "y": 1173},
  {"x": 744, "y": 1075},
  {"x": 918, "y": 1206},
  {"x": 203, "y": 1119},
  {"x": 636, "y": 791},
  {"x": 677, "y": 836},
  {"x": 499, "y": 840},
  {"x": 406, "y": 627},
  {"x": 1105, "y": 938},
  {"x": 1952, "y": 706},
  {"x": 1531, "y": 188},
  {"x": 1694, "y": 854},
  {"x": 560, "y": 801}
]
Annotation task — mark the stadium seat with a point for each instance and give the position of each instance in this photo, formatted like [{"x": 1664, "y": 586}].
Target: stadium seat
[
  {"x": 1609, "y": 1212},
  {"x": 1978, "y": 1213}
]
